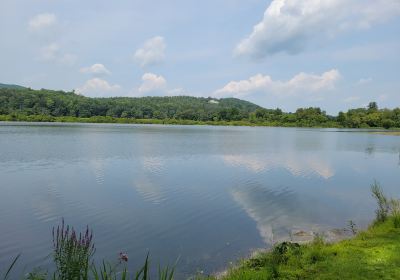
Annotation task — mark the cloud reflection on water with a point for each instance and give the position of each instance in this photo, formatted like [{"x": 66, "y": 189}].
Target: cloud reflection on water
[
  {"x": 145, "y": 183},
  {"x": 299, "y": 165},
  {"x": 278, "y": 212}
]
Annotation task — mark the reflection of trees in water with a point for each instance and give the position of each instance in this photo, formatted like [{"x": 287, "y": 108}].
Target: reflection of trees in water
[
  {"x": 370, "y": 150},
  {"x": 399, "y": 159}
]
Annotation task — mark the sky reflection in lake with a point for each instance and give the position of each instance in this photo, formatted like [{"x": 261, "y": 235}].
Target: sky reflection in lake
[{"x": 207, "y": 194}]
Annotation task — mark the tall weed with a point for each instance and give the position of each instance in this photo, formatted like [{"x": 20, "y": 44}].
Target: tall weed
[
  {"x": 383, "y": 203},
  {"x": 72, "y": 252},
  {"x": 7, "y": 274},
  {"x": 395, "y": 212}
]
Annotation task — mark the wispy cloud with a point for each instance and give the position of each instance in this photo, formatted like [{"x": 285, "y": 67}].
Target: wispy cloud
[
  {"x": 42, "y": 21},
  {"x": 53, "y": 52},
  {"x": 152, "y": 52},
  {"x": 364, "y": 81}
]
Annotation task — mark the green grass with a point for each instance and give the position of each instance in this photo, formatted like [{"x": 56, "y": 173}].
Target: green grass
[{"x": 371, "y": 254}]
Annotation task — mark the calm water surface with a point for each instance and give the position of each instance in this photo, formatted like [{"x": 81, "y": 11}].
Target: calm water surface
[{"x": 208, "y": 195}]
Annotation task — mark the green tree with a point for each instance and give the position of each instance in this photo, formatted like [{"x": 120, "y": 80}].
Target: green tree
[{"x": 373, "y": 106}]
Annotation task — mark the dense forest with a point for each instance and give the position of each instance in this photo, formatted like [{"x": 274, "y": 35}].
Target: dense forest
[
  {"x": 17, "y": 103},
  {"x": 59, "y": 103}
]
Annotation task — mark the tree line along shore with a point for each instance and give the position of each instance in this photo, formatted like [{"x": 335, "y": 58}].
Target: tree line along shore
[{"x": 24, "y": 104}]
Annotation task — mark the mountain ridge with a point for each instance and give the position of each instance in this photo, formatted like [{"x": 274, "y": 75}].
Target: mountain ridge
[{"x": 11, "y": 86}]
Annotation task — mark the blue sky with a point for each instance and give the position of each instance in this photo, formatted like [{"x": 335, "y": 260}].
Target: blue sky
[{"x": 334, "y": 54}]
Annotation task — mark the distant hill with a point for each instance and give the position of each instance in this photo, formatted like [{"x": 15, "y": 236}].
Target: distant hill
[
  {"x": 60, "y": 103},
  {"x": 48, "y": 105},
  {"x": 11, "y": 86}
]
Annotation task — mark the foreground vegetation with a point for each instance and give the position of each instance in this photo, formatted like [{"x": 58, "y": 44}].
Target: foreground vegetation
[
  {"x": 370, "y": 254},
  {"x": 22, "y": 104},
  {"x": 72, "y": 258}
]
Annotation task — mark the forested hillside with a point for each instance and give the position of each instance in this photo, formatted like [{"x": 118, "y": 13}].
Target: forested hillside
[
  {"x": 47, "y": 105},
  {"x": 11, "y": 86},
  {"x": 59, "y": 103}
]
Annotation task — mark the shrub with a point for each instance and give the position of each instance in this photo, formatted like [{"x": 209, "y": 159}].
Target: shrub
[
  {"x": 388, "y": 123},
  {"x": 395, "y": 212},
  {"x": 72, "y": 254},
  {"x": 36, "y": 274},
  {"x": 282, "y": 252},
  {"x": 383, "y": 203}
]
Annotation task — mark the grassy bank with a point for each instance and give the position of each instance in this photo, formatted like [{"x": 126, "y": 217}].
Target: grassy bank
[{"x": 371, "y": 254}]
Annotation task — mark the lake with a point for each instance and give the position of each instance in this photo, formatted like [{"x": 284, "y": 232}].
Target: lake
[{"x": 208, "y": 195}]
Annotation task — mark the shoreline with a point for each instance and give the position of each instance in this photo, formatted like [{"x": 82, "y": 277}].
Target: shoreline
[
  {"x": 301, "y": 237},
  {"x": 371, "y": 251},
  {"x": 110, "y": 120},
  {"x": 390, "y": 132}
]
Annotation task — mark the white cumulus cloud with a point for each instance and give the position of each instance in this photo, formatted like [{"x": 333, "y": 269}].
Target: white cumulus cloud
[
  {"x": 97, "y": 87},
  {"x": 152, "y": 52},
  {"x": 300, "y": 83},
  {"x": 151, "y": 83},
  {"x": 97, "y": 69},
  {"x": 42, "y": 21},
  {"x": 288, "y": 25}
]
